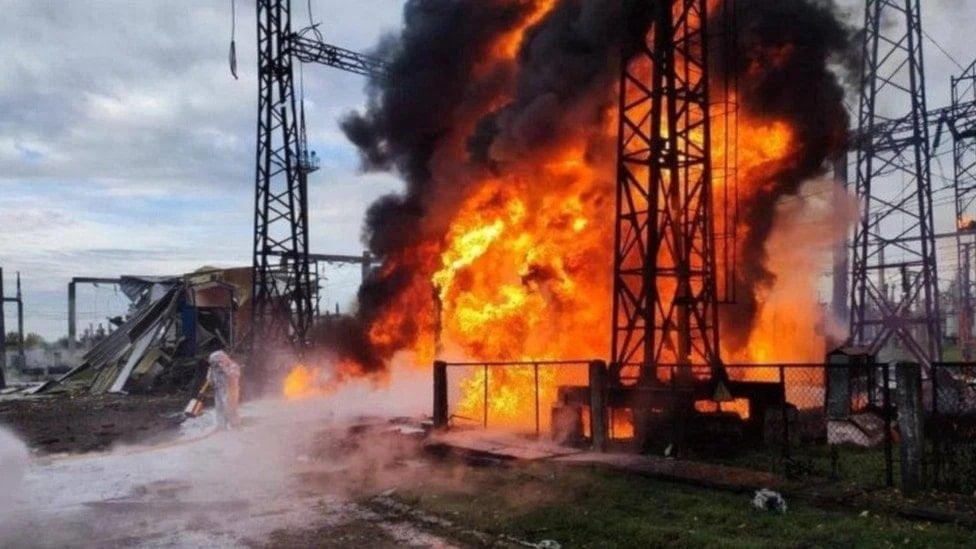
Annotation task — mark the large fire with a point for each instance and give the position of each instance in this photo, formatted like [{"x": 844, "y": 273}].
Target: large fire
[{"x": 523, "y": 270}]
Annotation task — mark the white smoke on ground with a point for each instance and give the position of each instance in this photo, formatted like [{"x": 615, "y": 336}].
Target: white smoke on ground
[
  {"x": 14, "y": 460},
  {"x": 408, "y": 391},
  {"x": 404, "y": 388},
  {"x": 292, "y": 465}
]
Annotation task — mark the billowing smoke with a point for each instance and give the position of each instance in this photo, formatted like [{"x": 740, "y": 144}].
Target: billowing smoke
[
  {"x": 411, "y": 111},
  {"x": 437, "y": 120},
  {"x": 786, "y": 49},
  {"x": 451, "y": 113}
]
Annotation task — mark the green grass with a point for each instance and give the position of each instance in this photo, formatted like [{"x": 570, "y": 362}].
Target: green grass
[
  {"x": 862, "y": 466},
  {"x": 592, "y": 507},
  {"x": 356, "y": 533}
]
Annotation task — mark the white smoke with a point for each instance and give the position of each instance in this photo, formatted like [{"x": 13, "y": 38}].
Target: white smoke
[
  {"x": 14, "y": 460},
  {"x": 807, "y": 230}
]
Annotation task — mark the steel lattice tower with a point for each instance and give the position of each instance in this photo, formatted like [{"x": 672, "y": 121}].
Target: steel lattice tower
[
  {"x": 283, "y": 286},
  {"x": 665, "y": 304},
  {"x": 962, "y": 125},
  {"x": 895, "y": 233},
  {"x": 282, "y": 309}
]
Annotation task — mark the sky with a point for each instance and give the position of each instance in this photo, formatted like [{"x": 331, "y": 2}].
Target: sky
[{"x": 126, "y": 146}]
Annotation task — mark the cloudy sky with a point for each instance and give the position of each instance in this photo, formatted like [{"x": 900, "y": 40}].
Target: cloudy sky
[{"x": 126, "y": 147}]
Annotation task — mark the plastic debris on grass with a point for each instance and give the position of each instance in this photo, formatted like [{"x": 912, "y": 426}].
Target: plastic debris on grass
[{"x": 768, "y": 500}]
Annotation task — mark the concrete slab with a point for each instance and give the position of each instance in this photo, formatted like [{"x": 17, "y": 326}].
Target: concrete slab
[{"x": 499, "y": 445}]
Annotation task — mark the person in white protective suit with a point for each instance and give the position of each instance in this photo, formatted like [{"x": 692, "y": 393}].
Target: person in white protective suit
[{"x": 225, "y": 375}]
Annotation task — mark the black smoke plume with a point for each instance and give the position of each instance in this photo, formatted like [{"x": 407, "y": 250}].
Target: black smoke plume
[
  {"x": 565, "y": 79},
  {"x": 564, "y": 76},
  {"x": 785, "y": 52}
]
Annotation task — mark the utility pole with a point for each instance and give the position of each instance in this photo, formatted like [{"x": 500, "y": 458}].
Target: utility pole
[
  {"x": 893, "y": 147},
  {"x": 965, "y": 305},
  {"x": 840, "y": 293},
  {"x": 20, "y": 325},
  {"x": 665, "y": 302}
]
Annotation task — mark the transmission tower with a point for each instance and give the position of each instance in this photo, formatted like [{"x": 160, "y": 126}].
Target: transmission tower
[
  {"x": 895, "y": 233},
  {"x": 283, "y": 300},
  {"x": 962, "y": 125},
  {"x": 665, "y": 304}
]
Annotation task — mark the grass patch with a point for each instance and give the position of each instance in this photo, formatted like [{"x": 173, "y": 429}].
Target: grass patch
[
  {"x": 356, "y": 533},
  {"x": 593, "y": 507},
  {"x": 862, "y": 466}
]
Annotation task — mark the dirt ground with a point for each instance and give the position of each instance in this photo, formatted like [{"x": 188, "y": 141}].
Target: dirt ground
[
  {"x": 291, "y": 476},
  {"x": 85, "y": 423}
]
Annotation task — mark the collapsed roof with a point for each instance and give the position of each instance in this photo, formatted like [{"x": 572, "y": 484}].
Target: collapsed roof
[{"x": 176, "y": 322}]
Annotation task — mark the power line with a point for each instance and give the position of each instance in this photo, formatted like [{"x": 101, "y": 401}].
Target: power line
[{"x": 940, "y": 48}]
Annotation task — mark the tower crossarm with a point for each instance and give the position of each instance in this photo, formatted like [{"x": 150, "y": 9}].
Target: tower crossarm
[{"x": 309, "y": 49}]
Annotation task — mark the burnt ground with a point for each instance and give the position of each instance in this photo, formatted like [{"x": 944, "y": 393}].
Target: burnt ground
[{"x": 85, "y": 423}]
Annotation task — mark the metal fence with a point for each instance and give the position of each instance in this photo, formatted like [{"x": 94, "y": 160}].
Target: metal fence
[
  {"x": 776, "y": 418},
  {"x": 833, "y": 421},
  {"x": 543, "y": 375},
  {"x": 949, "y": 394},
  {"x": 842, "y": 422}
]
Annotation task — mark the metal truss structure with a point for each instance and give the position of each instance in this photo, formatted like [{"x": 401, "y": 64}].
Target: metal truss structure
[
  {"x": 665, "y": 298},
  {"x": 283, "y": 289},
  {"x": 962, "y": 126},
  {"x": 282, "y": 300},
  {"x": 895, "y": 234}
]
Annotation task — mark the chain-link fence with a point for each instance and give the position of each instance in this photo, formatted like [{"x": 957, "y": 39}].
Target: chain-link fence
[
  {"x": 841, "y": 422},
  {"x": 949, "y": 394},
  {"x": 819, "y": 421},
  {"x": 776, "y": 418}
]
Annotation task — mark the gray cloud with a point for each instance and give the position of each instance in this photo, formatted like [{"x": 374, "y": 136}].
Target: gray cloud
[{"x": 127, "y": 147}]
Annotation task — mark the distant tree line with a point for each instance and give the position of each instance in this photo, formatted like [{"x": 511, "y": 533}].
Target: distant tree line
[{"x": 32, "y": 341}]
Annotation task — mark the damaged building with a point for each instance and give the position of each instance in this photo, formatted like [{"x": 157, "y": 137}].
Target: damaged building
[{"x": 174, "y": 323}]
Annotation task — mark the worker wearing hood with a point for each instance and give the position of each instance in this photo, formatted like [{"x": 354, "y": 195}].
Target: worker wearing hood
[{"x": 225, "y": 375}]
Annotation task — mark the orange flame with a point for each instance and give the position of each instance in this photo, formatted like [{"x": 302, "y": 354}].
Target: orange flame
[
  {"x": 524, "y": 273},
  {"x": 622, "y": 423},
  {"x": 738, "y": 406},
  {"x": 302, "y": 382}
]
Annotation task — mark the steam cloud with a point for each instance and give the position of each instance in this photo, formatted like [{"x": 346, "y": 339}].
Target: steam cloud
[
  {"x": 434, "y": 119},
  {"x": 13, "y": 466}
]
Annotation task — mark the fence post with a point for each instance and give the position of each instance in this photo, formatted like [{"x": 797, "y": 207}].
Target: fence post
[
  {"x": 785, "y": 413},
  {"x": 937, "y": 447},
  {"x": 910, "y": 421},
  {"x": 535, "y": 368},
  {"x": 598, "y": 405},
  {"x": 886, "y": 410},
  {"x": 440, "y": 394}
]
